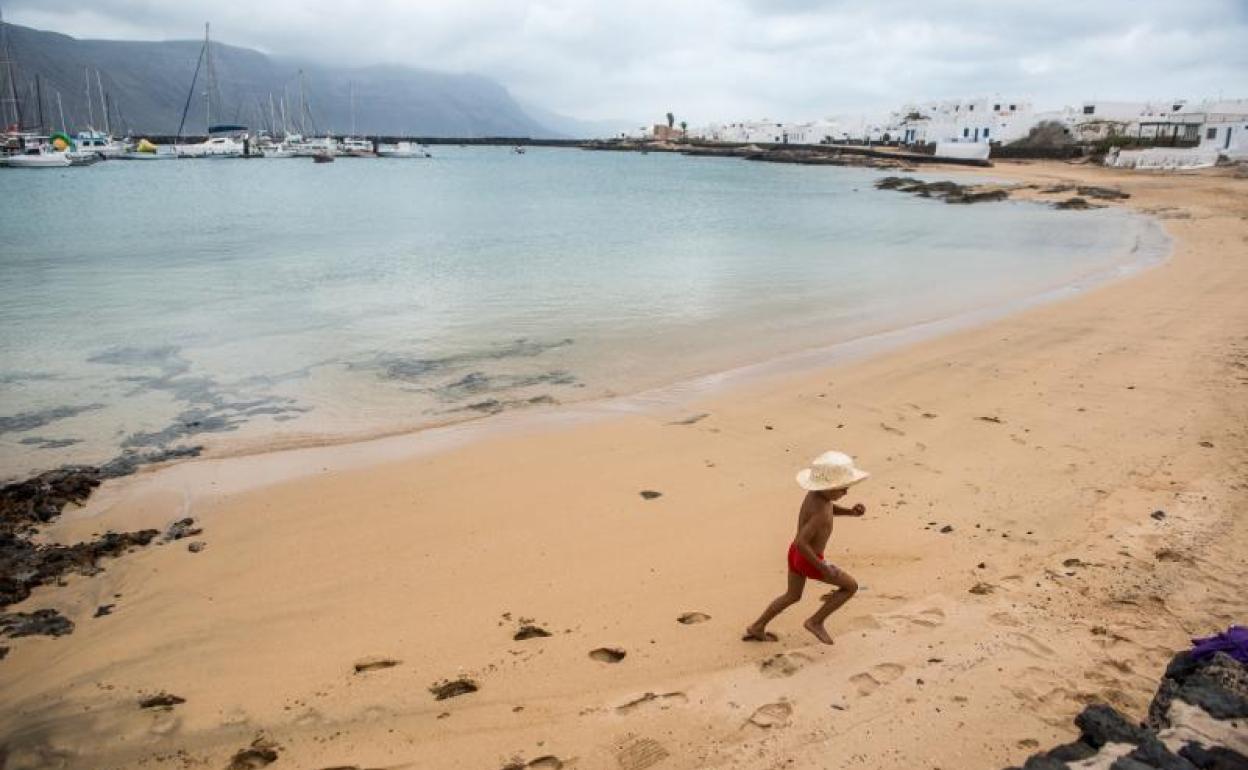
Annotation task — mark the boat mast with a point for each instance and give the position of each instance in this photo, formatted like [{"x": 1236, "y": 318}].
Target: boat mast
[
  {"x": 351, "y": 98},
  {"x": 90, "y": 101},
  {"x": 103, "y": 104},
  {"x": 190, "y": 94},
  {"x": 10, "y": 101},
  {"x": 303, "y": 106},
  {"x": 39, "y": 100},
  {"x": 61, "y": 109},
  {"x": 208, "y": 88}
]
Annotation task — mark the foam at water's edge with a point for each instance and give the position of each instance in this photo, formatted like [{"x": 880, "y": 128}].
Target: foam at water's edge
[{"x": 228, "y": 473}]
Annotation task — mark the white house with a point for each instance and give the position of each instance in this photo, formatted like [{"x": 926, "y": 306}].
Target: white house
[
  {"x": 747, "y": 132},
  {"x": 822, "y": 131},
  {"x": 995, "y": 119},
  {"x": 1199, "y": 134},
  {"x": 1223, "y": 126}
]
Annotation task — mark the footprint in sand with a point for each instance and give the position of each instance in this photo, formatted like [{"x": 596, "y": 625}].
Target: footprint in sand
[
  {"x": 929, "y": 618},
  {"x": 875, "y": 677},
  {"x": 547, "y": 762},
  {"x": 864, "y": 623},
  {"x": 1007, "y": 619},
  {"x": 1029, "y": 645},
  {"x": 309, "y": 718},
  {"x": 608, "y": 654},
  {"x": 660, "y": 701},
  {"x": 375, "y": 664},
  {"x": 771, "y": 715},
  {"x": 690, "y": 618},
  {"x": 784, "y": 664},
  {"x": 640, "y": 753}
]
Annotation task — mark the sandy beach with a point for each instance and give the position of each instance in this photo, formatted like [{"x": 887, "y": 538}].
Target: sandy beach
[{"x": 1057, "y": 505}]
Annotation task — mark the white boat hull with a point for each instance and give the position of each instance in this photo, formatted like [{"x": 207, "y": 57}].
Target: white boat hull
[
  {"x": 47, "y": 160},
  {"x": 402, "y": 150},
  {"x": 216, "y": 147},
  {"x": 400, "y": 154},
  {"x": 147, "y": 156}
]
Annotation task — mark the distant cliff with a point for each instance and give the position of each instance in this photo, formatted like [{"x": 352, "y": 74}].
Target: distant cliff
[{"x": 147, "y": 84}]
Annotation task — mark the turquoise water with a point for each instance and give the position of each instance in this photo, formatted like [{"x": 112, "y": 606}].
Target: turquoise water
[{"x": 240, "y": 304}]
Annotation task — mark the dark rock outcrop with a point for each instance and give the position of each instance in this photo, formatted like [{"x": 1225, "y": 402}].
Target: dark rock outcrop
[
  {"x": 41, "y": 498},
  {"x": 37, "y": 623},
  {"x": 1217, "y": 685},
  {"x": 950, "y": 192},
  {"x": 27, "y": 505},
  {"x": 161, "y": 700},
  {"x": 453, "y": 688},
  {"x": 25, "y": 565},
  {"x": 1101, "y": 193}
]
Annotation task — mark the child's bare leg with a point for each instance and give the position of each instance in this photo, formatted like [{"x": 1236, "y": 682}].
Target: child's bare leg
[
  {"x": 846, "y": 588},
  {"x": 757, "y": 631}
]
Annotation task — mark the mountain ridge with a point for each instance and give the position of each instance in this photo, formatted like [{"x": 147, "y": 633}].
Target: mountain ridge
[{"x": 148, "y": 81}]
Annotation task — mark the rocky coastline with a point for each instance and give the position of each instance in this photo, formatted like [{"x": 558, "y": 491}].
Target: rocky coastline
[
  {"x": 26, "y": 507},
  {"x": 1198, "y": 720},
  {"x": 810, "y": 155}
]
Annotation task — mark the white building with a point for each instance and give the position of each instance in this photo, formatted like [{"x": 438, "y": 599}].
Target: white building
[
  {"x": 822, "y": 131},
  {"x": 996, "y": 119},
  {"x": 1186, "y": 135},
  {"x": 747, "y": 132}
]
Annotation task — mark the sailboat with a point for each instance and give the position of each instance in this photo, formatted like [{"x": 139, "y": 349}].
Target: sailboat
[
  {"x": 214, "y": 146},
  {"x": 92, "y": 141},
  {"x": 41, "y": 155},
  {"x": 17, "y": 138},
  {"x": 353, "y": 146}
]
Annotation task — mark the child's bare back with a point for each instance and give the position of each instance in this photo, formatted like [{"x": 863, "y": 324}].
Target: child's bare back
[{"x": 826, "y": 481}]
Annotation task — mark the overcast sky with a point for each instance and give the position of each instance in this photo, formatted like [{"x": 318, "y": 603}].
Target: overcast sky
[{"x": 726, "y": 59}]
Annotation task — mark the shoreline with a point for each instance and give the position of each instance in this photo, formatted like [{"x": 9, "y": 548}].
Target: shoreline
[
  {"x": 320, "y": 453},
  {"x": 1042, "y": 440},
  {"x": 675, "y": 392}
]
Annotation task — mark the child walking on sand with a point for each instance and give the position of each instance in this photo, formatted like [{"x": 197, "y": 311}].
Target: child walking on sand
[{"x": 826, "y": 480}]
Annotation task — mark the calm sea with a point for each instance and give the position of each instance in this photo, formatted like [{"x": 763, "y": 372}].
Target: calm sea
[{"x": 238, "y": 304}]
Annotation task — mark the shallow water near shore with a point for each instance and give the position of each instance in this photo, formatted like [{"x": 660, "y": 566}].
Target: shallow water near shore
[{"x": 243, "y": 304}]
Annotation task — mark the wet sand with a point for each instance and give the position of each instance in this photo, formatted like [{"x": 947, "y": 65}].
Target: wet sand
[{"x": 1024, "y": 459}]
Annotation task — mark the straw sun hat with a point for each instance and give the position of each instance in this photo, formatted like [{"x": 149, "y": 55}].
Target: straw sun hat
[{"x": 830, "y": 470}]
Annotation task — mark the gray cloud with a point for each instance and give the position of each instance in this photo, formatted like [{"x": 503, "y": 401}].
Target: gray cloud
[{"x": 723, "y": 59}]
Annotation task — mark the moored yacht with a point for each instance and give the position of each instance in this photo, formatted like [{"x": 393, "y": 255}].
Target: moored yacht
[
  {"x": 38, "y": 155},
  {"x": 403, "y": 150},
  {"x": 353, "y": 147},
  {"x": 306, "y": 148},
  {"x": 215, "y": 146},
  {"x": 100, "y": 143}
]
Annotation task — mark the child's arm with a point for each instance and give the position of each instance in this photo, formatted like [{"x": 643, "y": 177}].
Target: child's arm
[{"x": 857, "y": 510}]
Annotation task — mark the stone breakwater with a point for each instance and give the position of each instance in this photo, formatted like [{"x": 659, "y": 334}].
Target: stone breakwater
[
  {"x": 1198, "y": 720},
  {"x": 811, "y": 155}
]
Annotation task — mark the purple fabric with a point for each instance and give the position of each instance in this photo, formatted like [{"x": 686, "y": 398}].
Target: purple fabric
[{"x": 1233, "y": 641}]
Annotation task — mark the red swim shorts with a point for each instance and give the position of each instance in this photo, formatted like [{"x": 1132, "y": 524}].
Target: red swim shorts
[{"x": 798, "y": 564}]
